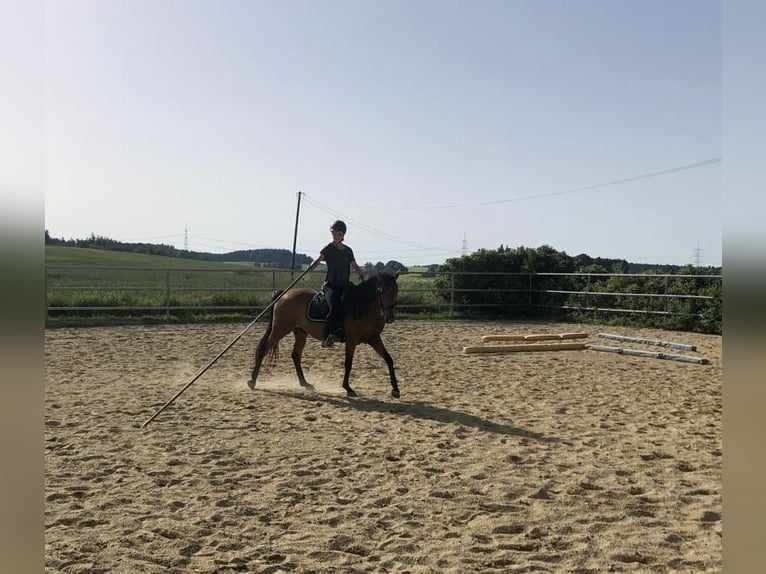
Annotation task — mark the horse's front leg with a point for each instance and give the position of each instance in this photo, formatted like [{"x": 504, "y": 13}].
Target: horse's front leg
[
  {"x": 377, "y": 344},
  {"x": 350, "y": 348}
]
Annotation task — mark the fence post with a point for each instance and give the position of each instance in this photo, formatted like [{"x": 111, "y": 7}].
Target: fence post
[
  {"x": 666, "y": 294},
  {"x": 587, "y": 293},
  {"x": 45, "y": 286},
  {"x": 452, "y": 294},
  {"x": 167, "y": 294},
  {"x": 529, "y": 296}
]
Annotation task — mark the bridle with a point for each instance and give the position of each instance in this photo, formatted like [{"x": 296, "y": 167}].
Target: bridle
[{"x": 383, "y": 308}]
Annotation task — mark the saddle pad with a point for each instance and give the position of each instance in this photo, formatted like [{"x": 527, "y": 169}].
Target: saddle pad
[{"x": 317, "y": 309}]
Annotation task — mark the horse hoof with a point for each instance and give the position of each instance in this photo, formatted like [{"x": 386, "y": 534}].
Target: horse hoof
[
  {"x": 395, "y": 394},
  {"x": 251, "y": 384},
  {"x": 350, "y": 393},
  {"x": 308, "y": 387}
]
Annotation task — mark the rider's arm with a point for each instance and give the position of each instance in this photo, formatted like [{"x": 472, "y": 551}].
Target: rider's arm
[
  {"x": 358, "y": 269},
  {"x": 316, "y": 262}
]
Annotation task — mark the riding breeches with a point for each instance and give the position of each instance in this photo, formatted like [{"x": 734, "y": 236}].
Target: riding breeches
[{"x": 334, "y": 294}]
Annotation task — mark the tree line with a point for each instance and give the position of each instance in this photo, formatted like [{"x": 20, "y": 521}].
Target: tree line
[
  {"x": 525, "y": 283},
  {"x": 278, "y": 258},
  {"x": 485, "y": 278},
  {"x": 272, "y": 258}
]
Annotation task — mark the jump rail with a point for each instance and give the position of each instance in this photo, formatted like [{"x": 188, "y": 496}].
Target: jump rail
[
  {"x": 523, "y": 348},
  {"x": 668, "y": 344},
  {"x": 653, "y": 354}
]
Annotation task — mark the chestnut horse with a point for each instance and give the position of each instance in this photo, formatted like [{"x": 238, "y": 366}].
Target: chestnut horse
[{"x": 367, "y": 308}]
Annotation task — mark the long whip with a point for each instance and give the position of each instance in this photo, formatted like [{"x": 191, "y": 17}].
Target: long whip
[{"x": 229, "y": 346}]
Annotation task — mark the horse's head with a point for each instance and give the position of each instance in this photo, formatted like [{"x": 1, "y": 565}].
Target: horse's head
[{"x": 387, "y": 292}]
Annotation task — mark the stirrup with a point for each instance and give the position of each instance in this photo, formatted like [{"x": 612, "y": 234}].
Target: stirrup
[{"x": 327, "y": 343}]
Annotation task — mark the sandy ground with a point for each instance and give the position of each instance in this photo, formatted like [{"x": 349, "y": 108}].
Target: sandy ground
[{"x": 565, "y": 461}]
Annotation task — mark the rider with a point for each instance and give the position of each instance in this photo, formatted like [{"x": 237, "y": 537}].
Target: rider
[{"x": 339, "y": 258}]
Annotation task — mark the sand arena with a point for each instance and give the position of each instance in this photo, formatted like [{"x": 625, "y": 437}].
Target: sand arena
[{"x": 568, "y": 461}]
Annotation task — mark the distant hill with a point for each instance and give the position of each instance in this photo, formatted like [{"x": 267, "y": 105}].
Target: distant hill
[
  {"x": 282, "y": 258},
  {"x": 276, "y": 258},
  {"x": 623, "y": 266}
]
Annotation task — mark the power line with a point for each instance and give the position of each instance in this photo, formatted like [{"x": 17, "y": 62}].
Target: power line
[
  {"x": 615, "y": 182},
  {"x": 227, "y": 242},
  {"x": 390, "y": 237},
  {"x": 572, "y": 190},
  {"x": 151, "y": 238},
  {"x": 368, "y": 228}
]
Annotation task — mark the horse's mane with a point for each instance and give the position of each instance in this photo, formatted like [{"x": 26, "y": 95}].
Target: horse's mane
[{"x": 359, "y": 297}]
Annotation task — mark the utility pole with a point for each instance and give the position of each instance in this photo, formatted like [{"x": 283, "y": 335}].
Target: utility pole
[
  {"x": 465, "y": 246},
  {"x": 295, "y": 235},
  {"x": 186, "y": 237}
]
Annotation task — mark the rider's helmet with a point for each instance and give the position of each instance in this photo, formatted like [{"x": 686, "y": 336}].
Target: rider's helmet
[{"x": 338, "y": 226}]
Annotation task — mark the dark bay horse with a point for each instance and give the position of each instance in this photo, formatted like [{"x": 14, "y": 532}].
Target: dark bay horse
[{"x": 367, "y": 308}]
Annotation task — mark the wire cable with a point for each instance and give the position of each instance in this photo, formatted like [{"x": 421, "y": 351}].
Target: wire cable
[
  {"x": 566, "y": 191},
  {"x": 368, "y": 228}
]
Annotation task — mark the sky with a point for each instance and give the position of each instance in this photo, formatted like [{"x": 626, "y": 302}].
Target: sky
[{"x": 433, "y": 128}]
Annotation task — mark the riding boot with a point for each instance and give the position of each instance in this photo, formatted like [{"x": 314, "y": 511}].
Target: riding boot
[{"x": 327, "y": 341}]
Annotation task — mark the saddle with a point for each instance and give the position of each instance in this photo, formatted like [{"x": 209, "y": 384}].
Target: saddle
[{"x": 318, "y": 308}]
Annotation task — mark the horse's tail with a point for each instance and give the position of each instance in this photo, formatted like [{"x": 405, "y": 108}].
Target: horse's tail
[{"x": 263, "y": 345}]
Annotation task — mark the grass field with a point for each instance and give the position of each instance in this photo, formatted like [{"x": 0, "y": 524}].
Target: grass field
[
  {"x": 117, "y": 287},
  {"x": 184, "y": 288}
]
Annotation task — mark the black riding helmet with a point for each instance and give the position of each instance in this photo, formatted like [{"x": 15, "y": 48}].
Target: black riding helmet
[{"x": 338, "y": 226}]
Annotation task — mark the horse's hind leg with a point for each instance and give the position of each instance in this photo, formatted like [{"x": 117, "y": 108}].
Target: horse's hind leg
[
  {"x": 300, "y": 343},
  {"x": 260, "y": 354},
  {"x": 377, "y": 344}
]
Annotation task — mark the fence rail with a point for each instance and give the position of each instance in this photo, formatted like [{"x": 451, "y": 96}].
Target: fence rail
[{"x": 73, "y": 289}]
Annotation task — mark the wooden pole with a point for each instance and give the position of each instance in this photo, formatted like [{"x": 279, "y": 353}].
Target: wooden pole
[
  {"x": 668, "y": 344},
  {"x": 229, "y": 346},
  {"x": 295, "y": 235},
  {"x": 642, "y": 353}
]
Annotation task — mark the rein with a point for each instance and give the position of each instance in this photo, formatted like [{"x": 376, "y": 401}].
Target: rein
[
  {"x": 382, "y": 308},
  {"x": 370, "y": 292}
]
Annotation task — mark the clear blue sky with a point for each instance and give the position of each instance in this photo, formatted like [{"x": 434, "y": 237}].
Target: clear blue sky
[{"x": 431, "y": 127}]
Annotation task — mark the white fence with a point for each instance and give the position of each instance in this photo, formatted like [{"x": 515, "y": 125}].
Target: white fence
[{"x": 99, "y": 289}]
